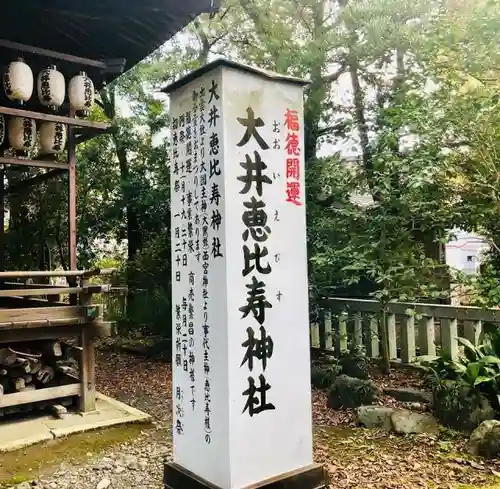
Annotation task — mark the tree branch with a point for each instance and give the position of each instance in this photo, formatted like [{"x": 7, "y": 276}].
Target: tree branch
[{"x": 333, "y": 77}]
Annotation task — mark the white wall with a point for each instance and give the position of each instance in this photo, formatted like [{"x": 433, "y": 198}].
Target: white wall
[{"x": 465, "y": 251}]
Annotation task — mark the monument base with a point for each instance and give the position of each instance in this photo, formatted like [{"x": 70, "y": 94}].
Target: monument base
[{"x": 309, "y": 477}]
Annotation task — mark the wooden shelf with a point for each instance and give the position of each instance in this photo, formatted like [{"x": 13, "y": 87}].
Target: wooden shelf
[
  {"x": 5, "y": 160},
  {"x": 39, "y": 116}
]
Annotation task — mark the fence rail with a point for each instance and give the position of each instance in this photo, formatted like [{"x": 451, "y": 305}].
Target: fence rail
[{"x": 412, "y": 329}]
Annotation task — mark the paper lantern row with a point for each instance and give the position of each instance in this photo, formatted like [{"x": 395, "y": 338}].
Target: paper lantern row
[
  {"x": 22, "y": 135},
  {"x": 18, "y": 82}
]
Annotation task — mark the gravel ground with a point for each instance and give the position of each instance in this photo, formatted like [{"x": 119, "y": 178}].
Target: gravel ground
[{"x": 354, "y": 458}]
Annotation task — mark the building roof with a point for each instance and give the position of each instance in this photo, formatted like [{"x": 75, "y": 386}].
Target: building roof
[
  {"x": 223, "y": 62},
  {"x": 95, "y": 29}
]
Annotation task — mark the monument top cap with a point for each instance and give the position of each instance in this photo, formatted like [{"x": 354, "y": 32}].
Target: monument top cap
[{"x": 223, "y": 62}]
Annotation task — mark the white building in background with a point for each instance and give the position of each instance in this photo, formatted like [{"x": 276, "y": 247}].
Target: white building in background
[{"x": 465, "y": 252}]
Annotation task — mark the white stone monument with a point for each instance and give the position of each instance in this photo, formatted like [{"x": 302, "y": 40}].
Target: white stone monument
[{"x": 241, "y": 365}]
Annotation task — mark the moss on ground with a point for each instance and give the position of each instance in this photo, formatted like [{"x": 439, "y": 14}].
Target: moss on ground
[{"x": 30, "y": 462}]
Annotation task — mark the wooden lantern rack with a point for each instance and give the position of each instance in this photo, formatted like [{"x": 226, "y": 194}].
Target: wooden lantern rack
[
  {"x": 88, "y": 29},
  {"x": 31, "y": 312}
]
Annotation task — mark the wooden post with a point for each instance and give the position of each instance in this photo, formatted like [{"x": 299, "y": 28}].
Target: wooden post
[
  {"x": 321, "y": 329},
  {"x": 391, "y": 336},
  {"x": 408, "y": 339},
  {"x": 472, "y": 331},
  {"x": 2, "y": 217},
  {"x": 449, "y": 334},
  {"x": 341, "y": 340},
  {"x": 87, "y": 361},
  {"x": 327, "y": 321},
  {"x": 427, "y": 336},
  {"x": 372, "y": 344},
  {"x": 357, "y": 337},
  {"x": 315, "y": 336},
  {"x": 72, "y": 195}
]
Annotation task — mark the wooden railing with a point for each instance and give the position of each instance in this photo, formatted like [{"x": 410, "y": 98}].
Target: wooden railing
[{"x": 412, "y": 328}]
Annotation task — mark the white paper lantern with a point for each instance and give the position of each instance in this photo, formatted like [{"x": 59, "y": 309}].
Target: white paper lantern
[
  {"x": 81, "y": 92},
  {"x": 22, "y": 133},
  {"x": 2, "y": 129},
  {"x": 52, "y": 136},
  {"x": 51, "y": 87},
  {"x": 18, "y": 81}
]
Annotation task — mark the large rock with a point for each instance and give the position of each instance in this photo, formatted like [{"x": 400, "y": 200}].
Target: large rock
[
  {"x": 405, "y": 422},
  {"x": 456, "y": 405},
  {"x": 354, "y": 364},
  {"x": 485, "y": 439},
  {"x": 350, "y": 392},
  {"x": 408, "y": 394},
  {"x": 375, "y": 417},
  {"x": 323, "y": 376}
]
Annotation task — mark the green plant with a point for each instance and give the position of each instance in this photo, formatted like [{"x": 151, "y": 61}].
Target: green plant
[{"x": 478, "y": 367}]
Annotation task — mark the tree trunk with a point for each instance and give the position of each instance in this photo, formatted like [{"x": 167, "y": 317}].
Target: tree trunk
[{"x": 134, "y": 237}]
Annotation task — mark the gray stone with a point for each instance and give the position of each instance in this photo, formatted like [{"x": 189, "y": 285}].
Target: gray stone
[
  {"x": 58, "y": 411},
  {"x": 375, "y": 417},
  {"x": 103, "y": 484},
  {"x": 408, "y": 394},
  {"x": 485, "y": 439},
  {"x": 131, "y": 462},
  {"x": 405, "y": 422},
  {"x": 417, "y": 406},
  {"x": 24, "y": 485}
]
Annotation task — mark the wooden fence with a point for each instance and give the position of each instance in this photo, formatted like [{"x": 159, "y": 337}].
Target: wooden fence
[{"x": 412, "y": 329}]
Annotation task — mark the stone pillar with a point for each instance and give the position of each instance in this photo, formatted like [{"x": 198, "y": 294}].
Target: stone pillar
[{"x": 241, "y": 366}]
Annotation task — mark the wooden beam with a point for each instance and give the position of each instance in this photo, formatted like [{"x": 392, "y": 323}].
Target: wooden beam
[
  {"x": 57, "y": 273},
  {"x": 48, "y": 314},
  {"x": 25, "y": 184},
  {"x": 39, "y": 291},
  {"x": 2, "y": 217},
  {"x": 36, "y": 163},
  {"x": 91, "y": 289},
  {"x": 38, "y": 395},
  {"x": 40, "y": 323},
  {"x": 40, "y": 116},
  {"x": 44, "y": 333},
  {"x": 87, "y": 361},
  {"x": 16, "y": 46},
  {"x": 72, "y": 199}
]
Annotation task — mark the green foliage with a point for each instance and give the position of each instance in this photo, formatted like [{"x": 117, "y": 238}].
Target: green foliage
[
  {"x": 478, "y": 367},
  {"x": 467, "y": 390}
]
